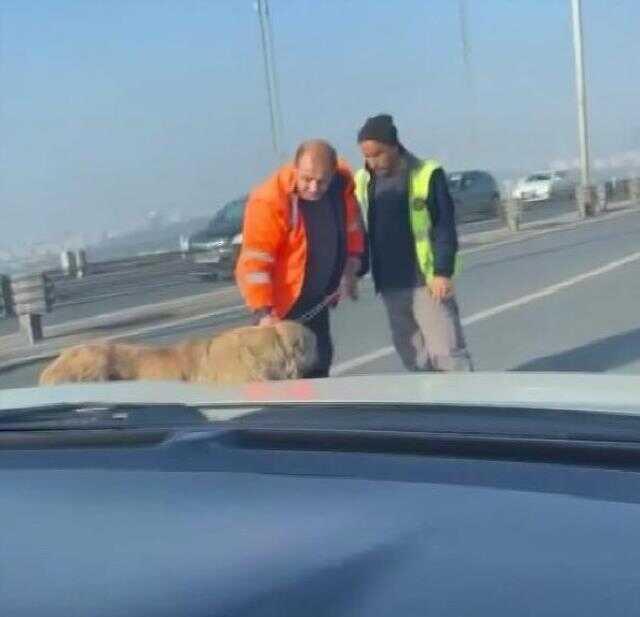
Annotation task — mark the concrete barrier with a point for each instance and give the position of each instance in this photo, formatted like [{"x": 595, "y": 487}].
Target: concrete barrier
[
  {"x": 81, "y": 263},
  {"x": 68, "y": 263},
  {"x": 634, "y": 189},
  {"x": 512, "y": 213},
  {"x": 603, "y": 193},
  {"x": 6, "y": 298},
  {"x": 586, "y": 201}
]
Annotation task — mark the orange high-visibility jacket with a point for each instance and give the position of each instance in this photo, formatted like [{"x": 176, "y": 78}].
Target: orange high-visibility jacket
[{"x": 271, "y": 267}]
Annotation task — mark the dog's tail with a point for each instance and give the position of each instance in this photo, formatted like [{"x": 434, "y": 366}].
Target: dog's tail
[{"x": 78, "y": 364}]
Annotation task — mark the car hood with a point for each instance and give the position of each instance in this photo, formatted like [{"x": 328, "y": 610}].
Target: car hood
[
  {"x": 579, "y": 391},
  {"x": 171, "y": 530}
]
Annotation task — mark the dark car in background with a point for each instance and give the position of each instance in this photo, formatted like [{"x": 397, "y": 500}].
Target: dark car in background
[
  {"x": 475, "y": 194},
  {"x": 217, "y": 246}
]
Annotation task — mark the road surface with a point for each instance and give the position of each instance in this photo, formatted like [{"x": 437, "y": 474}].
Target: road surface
[
  {"x": 113, "y": 292},
  {"x": 567, "y": 300}
]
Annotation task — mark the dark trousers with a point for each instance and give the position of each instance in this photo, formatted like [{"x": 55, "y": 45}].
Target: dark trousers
[{"x": 319, "y": 325}]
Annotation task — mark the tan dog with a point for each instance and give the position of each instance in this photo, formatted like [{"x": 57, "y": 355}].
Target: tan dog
[{"x": 285, "y": 350}]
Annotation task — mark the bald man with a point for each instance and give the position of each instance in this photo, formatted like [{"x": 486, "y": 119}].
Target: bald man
[{"x": 302, "y": 244}]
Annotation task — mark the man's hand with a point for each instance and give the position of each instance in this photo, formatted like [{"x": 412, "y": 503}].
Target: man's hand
[
  {"x": 349, "y": 280},
  {"x": 266, "y": 317},
  {"x": 441, "y": 288},
  {"x": 268, "y": 320},
  {"x": 348, "y": 287}
]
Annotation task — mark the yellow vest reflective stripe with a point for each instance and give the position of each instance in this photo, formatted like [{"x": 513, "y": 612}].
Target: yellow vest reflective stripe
[
  {"x": 419, "y": 217},
  {"x": 362, "y": 178}
]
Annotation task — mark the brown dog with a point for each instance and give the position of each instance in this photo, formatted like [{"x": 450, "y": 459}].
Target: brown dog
[{"x": 285, "y": 350}]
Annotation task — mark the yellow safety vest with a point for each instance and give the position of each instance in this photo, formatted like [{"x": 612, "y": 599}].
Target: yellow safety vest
[{"x": 419, "y": 217}]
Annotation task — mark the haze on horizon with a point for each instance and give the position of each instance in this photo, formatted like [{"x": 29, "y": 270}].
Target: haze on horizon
[{"x": 110, "y": 109}]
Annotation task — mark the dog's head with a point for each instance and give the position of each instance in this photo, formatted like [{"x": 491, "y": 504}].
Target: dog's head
[
  {"x": 300, "y": 347},
  {"x": 286, "y": 350}
]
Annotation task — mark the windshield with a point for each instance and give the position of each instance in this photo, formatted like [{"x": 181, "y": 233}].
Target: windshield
[
  {"x": 319, "y": 308},
  {"x": 367, "y": 171},
  {"x": 230, "y": 216}
]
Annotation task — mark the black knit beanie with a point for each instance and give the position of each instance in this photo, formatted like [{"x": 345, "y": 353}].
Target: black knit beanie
[{"x": 379, "y": 128}]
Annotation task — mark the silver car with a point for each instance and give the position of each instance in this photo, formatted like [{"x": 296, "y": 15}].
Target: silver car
[{"x": 545, "y": 186}]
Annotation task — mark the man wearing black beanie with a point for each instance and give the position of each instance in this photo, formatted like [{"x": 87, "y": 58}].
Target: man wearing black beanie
[{"x": 414, "y": 245}]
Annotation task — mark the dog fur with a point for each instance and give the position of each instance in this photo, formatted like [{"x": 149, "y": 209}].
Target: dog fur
[{"x": 286, "y": 350}]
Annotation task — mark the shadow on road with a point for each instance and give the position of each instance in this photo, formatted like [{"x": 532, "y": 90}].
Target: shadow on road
[{"x": 597, "y": 356}]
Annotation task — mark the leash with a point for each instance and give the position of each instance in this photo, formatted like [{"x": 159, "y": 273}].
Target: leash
[{"x": 318, "y": 308}]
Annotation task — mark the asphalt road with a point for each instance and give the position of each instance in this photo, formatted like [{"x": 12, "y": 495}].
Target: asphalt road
[
  {"x": 107, "y": 293},
  {"x": 566, "y": 301}
]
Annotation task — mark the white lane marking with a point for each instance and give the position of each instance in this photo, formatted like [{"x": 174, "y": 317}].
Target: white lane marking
[{"x": 349, "y": 365}]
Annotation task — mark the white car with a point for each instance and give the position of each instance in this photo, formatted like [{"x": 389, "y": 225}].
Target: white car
[{"x": 543, "y": 186}]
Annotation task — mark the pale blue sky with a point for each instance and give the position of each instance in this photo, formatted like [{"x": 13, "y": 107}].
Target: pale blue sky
[{"x": 111, "y": 108}]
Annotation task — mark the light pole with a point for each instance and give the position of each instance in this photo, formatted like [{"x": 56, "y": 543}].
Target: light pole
[
  {"x": 584, "y": 194},
  {"x": 466, "y": 58},
  {"x": 273, "y": 95}
]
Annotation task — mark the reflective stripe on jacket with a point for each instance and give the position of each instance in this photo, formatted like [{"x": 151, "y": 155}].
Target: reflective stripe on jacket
[
  {"x": 419, "y": 218},
  {"x": 271, "y": 267}
]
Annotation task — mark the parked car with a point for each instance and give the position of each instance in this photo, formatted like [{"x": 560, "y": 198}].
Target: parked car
[
  {"x": 217, "y": 247},
  {"x": 475, "y": 195},
  {"x": 546, "y": 185}
]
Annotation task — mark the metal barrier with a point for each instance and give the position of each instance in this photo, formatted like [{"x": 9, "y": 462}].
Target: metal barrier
[
  {"x": 33, "y": 296},
  {"x": 71, "y": 262},
  {"x": 603, "y": 194}
]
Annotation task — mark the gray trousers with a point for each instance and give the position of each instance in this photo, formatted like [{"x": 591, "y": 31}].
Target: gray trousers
[{"x": 426, "y": 334}]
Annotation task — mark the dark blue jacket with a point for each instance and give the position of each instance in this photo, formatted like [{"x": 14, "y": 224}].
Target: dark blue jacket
[{"x": 398, "y": 238}]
